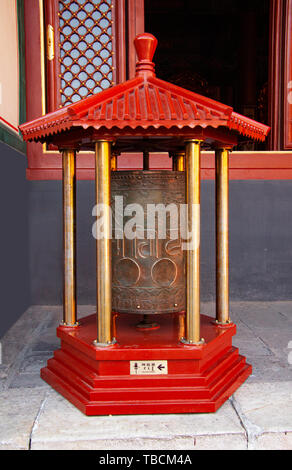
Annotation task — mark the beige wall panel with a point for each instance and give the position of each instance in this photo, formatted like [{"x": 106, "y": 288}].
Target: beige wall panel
[{"x": 9, "y": 92}]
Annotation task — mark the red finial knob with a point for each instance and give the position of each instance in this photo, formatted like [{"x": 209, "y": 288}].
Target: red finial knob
[{"x": 145, "y": 45}]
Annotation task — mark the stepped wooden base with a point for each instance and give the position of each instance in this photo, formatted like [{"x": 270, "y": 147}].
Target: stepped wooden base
[{"x": 98, "y": 381}]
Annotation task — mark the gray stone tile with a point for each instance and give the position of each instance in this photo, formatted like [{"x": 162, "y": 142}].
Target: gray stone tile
[
  {"x": 18, "y": 411},
  {"x": 278, "y": 341},
  {"x": 19, "y": 337},
  {"x": 21, "y": 331},
  {"x": 284, "y": 308},
  {"x": 203, "y": 442},
  {"x": 4, "y": 370},
  {"x": 56, "y": 317},
  {"x": 21, "y": 381},
  {"x": 269, "y": 369},
  {"x": 264, "y": 333},
  {"x": 117, "y": 444},
  {"x": 249, "y": 343},
  {"x": 28, "y": 373},
  {"x": 266, "y": 410},
  {"x": 46, "y": 343},
  {"x": 261, "y": 316},
  {"x": 252, "y": 348},
  {"x": 274, "y": 441},
  {"x": 10, "y": 351},
  {"x": 33, "y": 362},
  {"x": 234, "y": 313},
  {"x": 60, "y": 426},
  {"x": 49, "y": 332},
  {"x": 56, "y": 313}
]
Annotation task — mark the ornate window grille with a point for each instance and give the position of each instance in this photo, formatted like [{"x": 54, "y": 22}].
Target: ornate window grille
[
  {"x": 83, "y": 48},
  {"x": 86, "y": 48}
]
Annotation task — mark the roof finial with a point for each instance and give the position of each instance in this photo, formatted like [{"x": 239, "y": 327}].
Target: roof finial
[{"x": 145, "y": 47}]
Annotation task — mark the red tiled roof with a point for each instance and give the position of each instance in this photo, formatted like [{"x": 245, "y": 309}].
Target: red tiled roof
[{"x": 143, "y": 102}]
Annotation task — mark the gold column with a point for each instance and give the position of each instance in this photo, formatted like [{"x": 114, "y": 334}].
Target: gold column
[
  {"x": 222, "y": 236},
  {"x": 114, "y": 163},
  {"x": 179, "y": 161},
  {"x": 193, "y": 197},
  {"x": 103, "y": 246},
  {"x": 69, "y": 238}
]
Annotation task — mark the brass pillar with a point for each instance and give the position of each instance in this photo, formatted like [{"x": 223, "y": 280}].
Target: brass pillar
[
  {"x": 69, "y": 238},
  {"x": 114, "y": 163},
  {"x": 222, "y": 236},
  {"x": 103, "y": 245},
  {"x": 193, "y": 198},
  {"x": 179, "y": 161}
]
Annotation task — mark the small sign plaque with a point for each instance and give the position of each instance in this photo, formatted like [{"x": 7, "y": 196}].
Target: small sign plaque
[{"x": 148, "y": 368}]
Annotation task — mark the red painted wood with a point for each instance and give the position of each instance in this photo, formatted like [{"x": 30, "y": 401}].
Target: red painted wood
[
  {"x": 35, "y": 155},
  {"x": 276, "y": 48},
  {"x": 32, "y": 58},
  {"x": 252, "y": 174},
  {"x": 42, "y": 166},
  {"x": 158, "y": 344},
  {"x": 119, "y": 37},
  {"x": 135, "y": 27},
  {"x": 242, "y": 166},
  {"x": 143, "y": 106},
  {"x": 52, "y": 72},
  {"x": 98, "y": 381}
]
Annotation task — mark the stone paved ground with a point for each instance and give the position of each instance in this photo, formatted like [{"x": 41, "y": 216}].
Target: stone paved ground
[{"x": 258, "y": 416}]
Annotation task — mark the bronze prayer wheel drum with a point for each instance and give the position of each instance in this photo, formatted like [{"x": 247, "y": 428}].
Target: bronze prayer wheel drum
[{"x": 148, "y": 274}]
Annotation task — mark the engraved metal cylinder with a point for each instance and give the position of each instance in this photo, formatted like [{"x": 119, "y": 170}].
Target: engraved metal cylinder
[
  {"x": 193, "y": 195},
  {"x": 103, "y": 244},
  {"x": 69, "y": 237},
  {"x": 222, "y": 236},
  {"x": 148, "y": 275}
]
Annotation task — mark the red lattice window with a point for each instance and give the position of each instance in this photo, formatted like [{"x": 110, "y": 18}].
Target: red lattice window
[
  {"x": 84, "y": 41},
  {"x": 85, "y": 31}
]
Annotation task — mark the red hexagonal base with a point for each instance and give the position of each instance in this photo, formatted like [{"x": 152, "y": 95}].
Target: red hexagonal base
[{"x": 98, "y": 381}]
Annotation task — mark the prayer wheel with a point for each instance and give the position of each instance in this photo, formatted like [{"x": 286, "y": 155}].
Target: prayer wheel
[
  {"x": 148, "y": 270},
  {"x": 108, "y": 363}
]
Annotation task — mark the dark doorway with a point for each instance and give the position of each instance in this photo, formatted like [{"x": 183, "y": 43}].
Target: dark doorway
[{"x": 216, "y": 48}]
